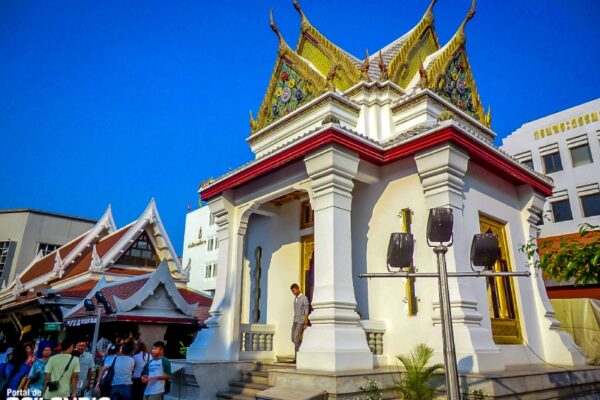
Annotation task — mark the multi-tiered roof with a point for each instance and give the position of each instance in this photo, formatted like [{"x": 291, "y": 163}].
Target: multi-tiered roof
[{"x": 415, "y": 60}]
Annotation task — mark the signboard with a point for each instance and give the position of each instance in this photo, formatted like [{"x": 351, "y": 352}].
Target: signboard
[
  {"x": 80, "y": 321},
  {"x": 52, "y": 326}
]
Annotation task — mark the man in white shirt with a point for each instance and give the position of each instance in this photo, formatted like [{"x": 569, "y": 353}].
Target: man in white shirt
[
  {"x": 301, "y": 309},
  {"x": 156, "y": 373}
]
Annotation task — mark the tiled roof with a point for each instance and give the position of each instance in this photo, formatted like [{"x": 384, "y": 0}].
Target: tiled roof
[
  {"x": 46, "y": 264},
  {"x": 193, "y": 297},
  {"x": 80, "y": 291},
  {"x": 121, "y": 289},
  {"x": 102, "y": 247}
]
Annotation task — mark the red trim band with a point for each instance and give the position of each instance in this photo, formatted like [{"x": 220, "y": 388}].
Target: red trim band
[{"x": 478, "y": 152}]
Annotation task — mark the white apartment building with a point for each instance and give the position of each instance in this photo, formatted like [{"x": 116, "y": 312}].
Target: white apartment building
[
  {"x": 200, "y": 246},
  {"x": 566, "y": 147}
]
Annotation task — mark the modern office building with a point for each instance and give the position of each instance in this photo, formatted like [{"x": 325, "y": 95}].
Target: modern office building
[
  {"x": 26, "y": 234},
  {"x": 566, "y": 147}
]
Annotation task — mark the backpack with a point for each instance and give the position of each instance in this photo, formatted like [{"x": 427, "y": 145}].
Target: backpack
[{"x": 107, "y": 378}]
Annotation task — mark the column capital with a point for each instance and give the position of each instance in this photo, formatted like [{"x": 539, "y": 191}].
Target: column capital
[
  {"x": 331, "y": 170},
  {"x": 442, "y": 170}
]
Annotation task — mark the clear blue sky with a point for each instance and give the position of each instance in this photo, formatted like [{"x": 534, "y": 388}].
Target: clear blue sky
[{"x": 119, "y": 101}]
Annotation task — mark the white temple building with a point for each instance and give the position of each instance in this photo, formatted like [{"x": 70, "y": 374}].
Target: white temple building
[{"x": 349, "y": 151}]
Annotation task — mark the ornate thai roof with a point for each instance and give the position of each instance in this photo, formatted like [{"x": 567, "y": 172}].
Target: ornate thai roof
[
  {"x": 448, "y": 73},
  {"x": 409, "y": 50},
  {"x": 318, "y": 65},
  {"x": 294, "y": 82}
]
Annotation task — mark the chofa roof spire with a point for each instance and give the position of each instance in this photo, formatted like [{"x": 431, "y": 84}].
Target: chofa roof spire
[
  {"x": 468, "y": 17},
  {"x": 275, "y": 29},
  {"x": 297, "y": 7}
]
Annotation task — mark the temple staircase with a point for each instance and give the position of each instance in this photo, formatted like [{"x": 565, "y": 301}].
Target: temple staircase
[{"x": 252, "y": 382}]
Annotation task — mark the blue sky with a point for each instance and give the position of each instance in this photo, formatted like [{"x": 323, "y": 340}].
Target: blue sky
[{"x": 120, "y": 101}]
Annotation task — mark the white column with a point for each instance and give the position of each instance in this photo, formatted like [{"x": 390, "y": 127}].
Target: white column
[
  {"x": 220, "y": 341},
  {"x": 335, "y": 342},
  {"x": 556, "y": 346},
  {"x": 442, "y": 171}
]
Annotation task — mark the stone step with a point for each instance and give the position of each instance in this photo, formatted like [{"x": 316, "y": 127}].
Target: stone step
[
  {"x": 234, "y": 396},
  {"x": 256, "y": 376},
  {"x": 248, "y": 388},
  {"x": 265, "y": 366}
]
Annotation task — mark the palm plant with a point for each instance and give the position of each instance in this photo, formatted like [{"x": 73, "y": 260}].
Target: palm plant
[{"x": 414, "y": 384}]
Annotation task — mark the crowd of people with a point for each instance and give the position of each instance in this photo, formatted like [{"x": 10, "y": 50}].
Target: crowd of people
[{"x": 125, "y": 371}]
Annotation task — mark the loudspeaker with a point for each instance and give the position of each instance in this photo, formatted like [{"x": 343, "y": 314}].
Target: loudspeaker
[{"x": 400, "y": 250}]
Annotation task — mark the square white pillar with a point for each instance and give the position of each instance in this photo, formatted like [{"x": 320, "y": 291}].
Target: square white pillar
[{"x": 335, "y": 342}]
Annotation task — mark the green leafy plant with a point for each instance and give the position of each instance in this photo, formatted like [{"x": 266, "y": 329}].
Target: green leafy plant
[
  {"x": 414, "y": 384},
  {"x": 371, "y": 389},
  {"x": 576, "y": 259},
  {"x": 477, "y": 394}
]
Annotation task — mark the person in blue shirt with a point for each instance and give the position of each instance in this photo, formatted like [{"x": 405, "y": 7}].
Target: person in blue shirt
[{"x": 37, "y": 374}]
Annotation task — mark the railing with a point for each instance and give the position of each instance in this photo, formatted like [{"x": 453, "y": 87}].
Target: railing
[
  {"x": 256, "y": 341},
  {"x": 374, "y": 331}
]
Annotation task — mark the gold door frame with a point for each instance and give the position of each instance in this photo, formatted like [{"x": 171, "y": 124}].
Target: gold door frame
[
  {"x": 505, "y": 330},
  {"x": 306, "y": 253}
]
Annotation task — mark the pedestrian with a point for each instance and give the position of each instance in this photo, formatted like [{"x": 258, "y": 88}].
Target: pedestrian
[
  {"x": 141, "y": 358},
  {"x": 123, "y": 371},
  {"x": 86, "y": 368},
  {"x": 62, "y": 372},
  {"x": 300, "y": 321},
  {"x": 37, "y": 374},
  {"x": 16, "y": 369},
  {"x": 157, "y": 373},
  {"x": 30, "y": 353}
]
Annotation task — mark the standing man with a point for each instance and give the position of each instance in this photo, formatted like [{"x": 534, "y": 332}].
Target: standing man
[
  {"x": 86, "y": 366},
  {"x": 61, "y": 373},
  {"x": 156, "y": 374},
  {"x": 300, "y": 316}
]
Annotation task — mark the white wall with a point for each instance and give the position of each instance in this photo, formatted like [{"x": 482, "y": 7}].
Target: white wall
[
  {"x": 523, "y": 139},
  {"x": 195, "y": 249}
]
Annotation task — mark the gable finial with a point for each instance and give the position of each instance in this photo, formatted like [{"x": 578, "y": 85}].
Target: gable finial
[
  {"x": 253, "y": 122},
  {"x": 275, "y": 28},
  {"x": 429, "y": 12},
  {"x": 364, "y": 68},
  {"x": 299, "y": 9},
  {"x": 383, "y": 69},
  {"x": 468, "y": 17}
]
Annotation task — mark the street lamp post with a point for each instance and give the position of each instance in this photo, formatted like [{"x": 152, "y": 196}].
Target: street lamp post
[{"x": 484, "y": 253}]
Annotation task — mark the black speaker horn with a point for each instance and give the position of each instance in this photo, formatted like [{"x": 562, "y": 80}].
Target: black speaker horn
[{"x": 400, "y": 250}]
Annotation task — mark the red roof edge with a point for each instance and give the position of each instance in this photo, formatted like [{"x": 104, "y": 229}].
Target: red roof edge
[{"x": 478, "y": 152}]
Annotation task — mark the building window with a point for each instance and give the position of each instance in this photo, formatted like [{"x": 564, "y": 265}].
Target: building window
[
  {"x": 47, "y": 248},
  {"x": 581, "y": 155},
  {"x": 561, "y": 210},
  {"x": 591, "y": 205},
  {"x": 141, "y": 253},
  {"x": 211, "y": 270},
  {"x": 211, "y": 219},
  {"x": 307, "y": 216},
  {"x": 4, "y": 246},
  {"x": 210, "y": 244},
  {"x": 528, "y": 164},
  {"x": 552, "y": 163}
]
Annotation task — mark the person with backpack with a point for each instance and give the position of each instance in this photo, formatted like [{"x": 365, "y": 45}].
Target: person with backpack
[
  {"x": 123, "y": 370},
  {"x": 141, "y": 358},
  {"x": 157, "y": 373},
  {"x": 37, "y": 374},
  {"x": 62, "y": 371}
]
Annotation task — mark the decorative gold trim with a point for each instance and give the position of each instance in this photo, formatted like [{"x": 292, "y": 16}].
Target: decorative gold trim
[
  {"x": 310, "y": 106},
  {"x": 315, "y": 81},
  {"x": 307, "y": 244},
  {"x": 505, "y": 330},
  {"x": 335, "y": 55},
  {"x": 399, "y": 64}
]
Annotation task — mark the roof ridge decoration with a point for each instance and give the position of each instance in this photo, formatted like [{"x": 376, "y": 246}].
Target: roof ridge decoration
[
  {"x": 364, "y": 68},
  {"x": 449, "y": 74},
  {"x": 96, "y": 263},
  {"x": 18, "y": 288},
  {"x": 59, "y": 266},
  {"x": 294, "y": 82},
  {"x": 149, "y": 217},
  {"x": 422, "y": 41},
  {"x": 162, "y": 275},
  {"x": 323, "y": 54}
]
